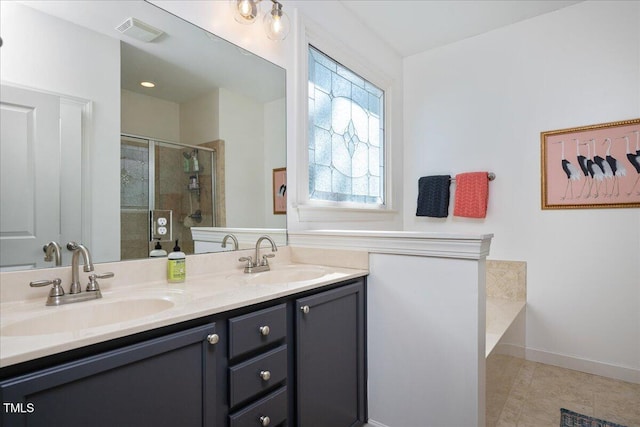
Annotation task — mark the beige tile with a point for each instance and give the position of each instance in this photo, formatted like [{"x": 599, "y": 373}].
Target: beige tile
[
  {"x": 506, "y": 279},
  {"x": 539, "y": 391}
]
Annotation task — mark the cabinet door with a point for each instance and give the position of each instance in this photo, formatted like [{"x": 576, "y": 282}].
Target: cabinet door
[
  {"x": 330, "y": 359},
  {"x": 168, "y": 381}
]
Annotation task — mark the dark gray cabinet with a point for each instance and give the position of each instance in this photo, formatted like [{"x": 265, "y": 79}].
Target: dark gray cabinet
[
  {"x": 330, "y": 358},
  {"x": 168, "y": 381}
]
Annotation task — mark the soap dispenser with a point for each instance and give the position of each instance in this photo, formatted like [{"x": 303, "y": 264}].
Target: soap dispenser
[
  {"x": 176, "y": 267},
  {"x": 157, "y": 251}
]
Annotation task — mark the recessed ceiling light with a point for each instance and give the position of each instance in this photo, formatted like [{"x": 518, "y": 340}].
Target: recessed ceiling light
[{"x": 148, "y": 84}]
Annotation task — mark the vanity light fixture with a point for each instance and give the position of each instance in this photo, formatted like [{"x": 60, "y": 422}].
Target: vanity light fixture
[
  {"x": 148, "y": 84},
  {"x": 276, "y": 22}
]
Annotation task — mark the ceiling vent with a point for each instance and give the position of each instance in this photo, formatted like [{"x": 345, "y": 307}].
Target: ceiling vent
[{"x": 137, "y": 29}]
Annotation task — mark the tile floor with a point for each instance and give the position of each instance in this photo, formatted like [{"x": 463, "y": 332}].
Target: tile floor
[{"x": 535, "y": 392}]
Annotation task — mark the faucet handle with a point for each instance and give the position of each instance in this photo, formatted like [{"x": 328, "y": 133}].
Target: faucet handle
[
  {"x": 56, "y": 290},
  {"x": 264, "y": 258},
  {"x": 92, "y": 286},
  {"x": 248, "y": 259}
]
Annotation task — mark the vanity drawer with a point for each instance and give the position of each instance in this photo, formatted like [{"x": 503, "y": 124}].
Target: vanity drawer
[
  {"x": 271, "y": 411},
  {"x": 257, "y": 329},
  {"x": 257, "y": 374}
]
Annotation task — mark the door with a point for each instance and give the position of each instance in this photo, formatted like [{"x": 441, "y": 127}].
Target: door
[
  {"x": 330, "y": 358},
  {"x": 30, "y": 176},
  {"x": 167, "y": 381}
]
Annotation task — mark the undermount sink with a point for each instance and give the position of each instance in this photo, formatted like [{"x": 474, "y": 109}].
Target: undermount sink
[
  {"x": 285, "y": 275},
  {"x": 73, "y": 318}
]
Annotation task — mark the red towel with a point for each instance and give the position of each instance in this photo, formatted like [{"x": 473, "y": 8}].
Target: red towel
[{"x": 472, "y": 194}]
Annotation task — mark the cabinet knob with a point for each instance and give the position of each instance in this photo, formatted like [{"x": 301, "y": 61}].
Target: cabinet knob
[
  {"x": 265, "y": 375},
  {"x": 264, "y": 330},
  {"x": 265, "y": 421},
  {"x": 304, "y": 309},
  {"x": 213, "y": 338}
]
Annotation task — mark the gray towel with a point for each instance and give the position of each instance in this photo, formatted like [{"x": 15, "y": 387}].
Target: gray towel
[{"x": 433, "y": 196}]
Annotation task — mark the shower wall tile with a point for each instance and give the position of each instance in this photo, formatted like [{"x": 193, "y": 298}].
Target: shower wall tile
[{"x": 507, "y": 279}]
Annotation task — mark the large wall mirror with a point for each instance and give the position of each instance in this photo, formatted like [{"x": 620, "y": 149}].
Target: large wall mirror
[{"x": 88, "y": 151}]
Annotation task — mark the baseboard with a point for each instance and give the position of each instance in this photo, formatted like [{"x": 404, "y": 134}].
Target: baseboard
[
  {"x": 589, "y": 366},
  {"x": 373, "y": 423},
  {"x": 512, "y": 350}
]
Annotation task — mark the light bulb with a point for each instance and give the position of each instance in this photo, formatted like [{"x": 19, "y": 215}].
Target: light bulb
[
  {"x": 276, "y": 23},
  {"x": 244, "y": 11},
  {"x": 245, "y": 8}
]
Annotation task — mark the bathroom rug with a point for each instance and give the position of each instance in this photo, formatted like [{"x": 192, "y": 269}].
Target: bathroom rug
[{"x": 573, "y": 419}]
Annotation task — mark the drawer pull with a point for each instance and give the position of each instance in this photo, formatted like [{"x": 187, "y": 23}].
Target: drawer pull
[
  {"x": 265, "y": 375},
  {"x": 264, "y": 330},
  {"x": 265, "y": 421},
  {"x": 213, "y": 338},
  {"x": 305, "y": 309}
]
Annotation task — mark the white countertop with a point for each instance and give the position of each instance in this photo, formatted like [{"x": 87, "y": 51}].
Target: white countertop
[{"x": 198, "y": 296}]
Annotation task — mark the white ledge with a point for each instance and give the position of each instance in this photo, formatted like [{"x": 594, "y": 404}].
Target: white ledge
[
  {"x": 443, "y": 245},
  {"x": 320, "y": 213},
  {"x": 247, "y": 237}
]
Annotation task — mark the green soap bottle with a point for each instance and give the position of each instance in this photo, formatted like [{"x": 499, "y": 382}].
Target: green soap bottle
[{"x": 177, "y": 266}]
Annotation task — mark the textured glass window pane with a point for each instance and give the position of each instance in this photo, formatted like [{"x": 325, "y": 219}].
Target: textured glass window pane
[
  {"x": 374, "y": 160},
  {"x": 374, "y": 131},
  {"x": 322, "y": 113},
  {"x": 341, "y": 157},
  {"x": 323, "y": 150},
  {"x": 360, "y": 97},
  {"x": 322, "y": 59},
  {"x": 349, "y": 75},
  {"x": 360, "y": 161},
  {"x": 340, "y": 86},
  {"x": 323, "y": 178},
  {"x": 134, "y": 176},
  {"x": 346, "y": 134},
  {"x": 322, "y": 78},
  {"x": 341, "y": 183},
  {"x": 361, "y": 186}
]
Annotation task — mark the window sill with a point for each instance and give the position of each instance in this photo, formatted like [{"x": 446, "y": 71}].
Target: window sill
[{"x": 315, "y": 213}]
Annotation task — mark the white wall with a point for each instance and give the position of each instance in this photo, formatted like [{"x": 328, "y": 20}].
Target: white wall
[
  {"x": 481, "y": 104},
  {"x": 241, "y": 128},
  {"x": 200, "y": 119},
  {"x": 79, "y": 55},
  {"x": 275, "y": 156},
  {"x": 149, "y": 116}
]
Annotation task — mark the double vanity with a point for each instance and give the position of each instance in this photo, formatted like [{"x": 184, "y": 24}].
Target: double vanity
[{"x": 278, "y": 347}]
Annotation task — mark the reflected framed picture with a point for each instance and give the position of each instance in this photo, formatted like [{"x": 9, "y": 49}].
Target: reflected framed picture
[
  {"x": 596, "y": 166},
  {"x": 280, "y": 191}
]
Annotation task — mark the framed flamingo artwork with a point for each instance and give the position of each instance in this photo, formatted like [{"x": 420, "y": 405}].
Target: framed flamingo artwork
[
  {"x": 280, "y": 191},
  {"x": 596, "y": 166}
]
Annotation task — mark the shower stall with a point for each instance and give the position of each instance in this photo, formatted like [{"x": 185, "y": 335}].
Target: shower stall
[{"x": 167, "y": 176}]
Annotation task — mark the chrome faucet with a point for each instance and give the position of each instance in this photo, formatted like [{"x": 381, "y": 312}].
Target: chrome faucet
[
  {"x": 52, "y": 252},
  {"x": 259, "y": 264},
  {"x": 232, "y": 237},
  {"x": 57, "y": 295},
  {"x": 78, "y": 249}
]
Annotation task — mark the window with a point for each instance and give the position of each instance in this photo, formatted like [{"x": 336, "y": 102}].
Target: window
[{"x": 346, "y": 134}]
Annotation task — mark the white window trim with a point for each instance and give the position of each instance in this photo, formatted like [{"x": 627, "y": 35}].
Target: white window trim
[{"x": 328, "y": 211}]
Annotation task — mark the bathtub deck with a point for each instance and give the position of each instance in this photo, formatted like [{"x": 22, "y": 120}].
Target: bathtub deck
[{"x": 501, "y": 313}]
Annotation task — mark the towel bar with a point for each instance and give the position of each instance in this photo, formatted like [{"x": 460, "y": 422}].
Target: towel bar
[{"x": 491, "y": 177}]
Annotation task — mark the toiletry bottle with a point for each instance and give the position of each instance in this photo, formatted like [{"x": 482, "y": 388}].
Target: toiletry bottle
[
  {"x": 196, "y": 165},
  {"x": 176, "y": 267},
  {"x": 157, "y": 251}
]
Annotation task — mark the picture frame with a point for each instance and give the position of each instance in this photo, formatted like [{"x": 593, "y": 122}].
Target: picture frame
[
  {"x": 280, "y": 191},
  {"x": 595, "y": 166}
]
